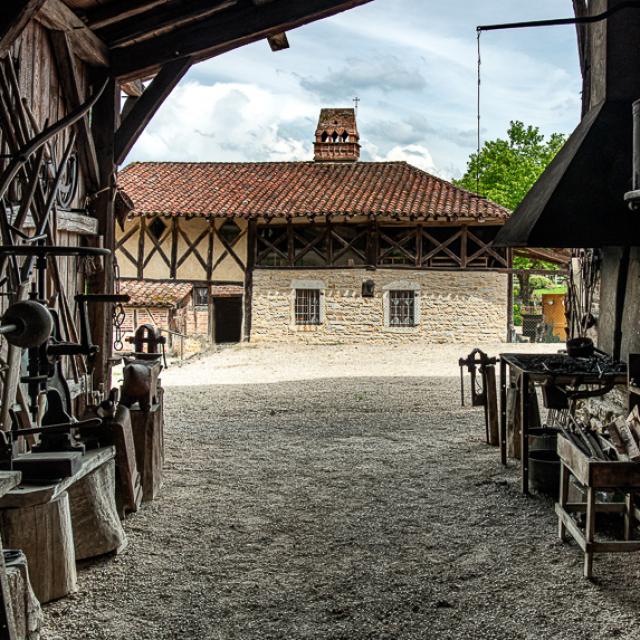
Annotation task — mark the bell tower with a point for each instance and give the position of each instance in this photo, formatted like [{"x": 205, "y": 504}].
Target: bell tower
[{"x": 337, "y": 137}]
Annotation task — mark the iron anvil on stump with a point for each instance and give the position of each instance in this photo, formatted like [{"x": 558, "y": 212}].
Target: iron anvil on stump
[{"x": 142, "y": 393}]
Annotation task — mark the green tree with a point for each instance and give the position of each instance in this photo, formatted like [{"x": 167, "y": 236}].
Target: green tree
[{"x": 505, "y": 170}]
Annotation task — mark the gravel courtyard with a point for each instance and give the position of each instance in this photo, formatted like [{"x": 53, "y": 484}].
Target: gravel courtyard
[{"x": 340, "y": 507}]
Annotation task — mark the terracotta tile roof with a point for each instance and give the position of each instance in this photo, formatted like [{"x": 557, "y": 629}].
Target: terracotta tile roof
[
  {"x": 147, "y": 293},
  {"x": 294, "y": 189}
]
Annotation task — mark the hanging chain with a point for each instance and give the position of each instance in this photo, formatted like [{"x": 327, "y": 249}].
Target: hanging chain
[{"x": 119, "y": 313}]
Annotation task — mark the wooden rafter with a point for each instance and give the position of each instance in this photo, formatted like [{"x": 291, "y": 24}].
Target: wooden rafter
[
  {"x": 146, "y": 106},
  {"x": 56, "y": 16},
  {"x": 485, "y": 248},
  {"x": 104, "y": 15},
  {"x": 70, "y": 84},
  {"x": 160, "y": 19},
  {"x": 227, "y": 30},
  {"x": 398, "y": 244},
  {"x": 14, "y": 17}
]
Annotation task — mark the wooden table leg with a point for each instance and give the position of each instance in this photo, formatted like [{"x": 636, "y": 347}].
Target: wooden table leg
[
  {"x": 503, "y": 412},
  {"x": 629, "y": 516},
  {"x": 589, "y": 532},
  {"x": 564, "y": 492},
  {"x": 524, "y": 431}
]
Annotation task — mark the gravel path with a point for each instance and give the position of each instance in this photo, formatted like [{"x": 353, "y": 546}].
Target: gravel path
[{"x": 341, "y": 508}]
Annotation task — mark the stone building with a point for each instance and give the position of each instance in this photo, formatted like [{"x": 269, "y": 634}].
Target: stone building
[{"x": 334, "y": 249}]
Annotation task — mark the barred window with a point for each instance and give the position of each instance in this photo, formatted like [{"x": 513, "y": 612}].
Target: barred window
[
  {"x": 402, "y": 308},
  {"x": 307, "y": 306}
]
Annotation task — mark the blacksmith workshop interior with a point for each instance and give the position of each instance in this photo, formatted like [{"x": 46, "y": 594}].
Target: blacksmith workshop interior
[{"x": 119, "y": 276}]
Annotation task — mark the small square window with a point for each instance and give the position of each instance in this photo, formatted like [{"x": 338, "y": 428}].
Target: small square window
[
  {"x": 307, "y": 306},
  {"x": 200, "y": 296},
  {"x": 402, "y": 308}
]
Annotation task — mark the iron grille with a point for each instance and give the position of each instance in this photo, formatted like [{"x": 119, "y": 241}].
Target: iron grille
[
  {"x": 307, "y": 306},
  {"x": 402, "y": 308}
]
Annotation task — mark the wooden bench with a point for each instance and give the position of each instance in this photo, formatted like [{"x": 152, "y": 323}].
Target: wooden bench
[{"x": 57, "y": 524}]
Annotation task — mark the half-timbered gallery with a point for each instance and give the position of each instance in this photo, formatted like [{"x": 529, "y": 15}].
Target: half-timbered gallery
[{"x": 331, "y": 249}]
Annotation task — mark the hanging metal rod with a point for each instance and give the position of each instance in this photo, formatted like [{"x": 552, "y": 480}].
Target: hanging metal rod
[{"x": 630, "y": 4}]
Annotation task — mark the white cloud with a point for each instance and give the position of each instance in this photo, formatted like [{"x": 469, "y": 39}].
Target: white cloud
[
  {"x": 224, "y": 122},
  {"x": 415, "y": 154}
]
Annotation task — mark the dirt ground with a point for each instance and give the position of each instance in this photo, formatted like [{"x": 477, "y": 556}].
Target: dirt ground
[{"x": 353, "y": 507}]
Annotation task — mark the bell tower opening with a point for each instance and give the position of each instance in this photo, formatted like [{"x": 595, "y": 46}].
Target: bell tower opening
[{"x": 337, "y": 137}]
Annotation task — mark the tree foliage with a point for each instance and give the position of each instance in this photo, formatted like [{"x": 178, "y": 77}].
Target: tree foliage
[
  {"x": 508, "y": 168},
  {"x": 504, "y": 171}
]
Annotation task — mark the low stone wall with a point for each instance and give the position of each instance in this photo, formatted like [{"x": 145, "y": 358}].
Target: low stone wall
[{"x": 454, "y": 306}]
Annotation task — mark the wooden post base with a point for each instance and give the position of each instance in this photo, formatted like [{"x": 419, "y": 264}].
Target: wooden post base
[
  {"x": 96, "y": 526},
  {"x": 45, "y": 535},
  {"x": 149, "y": 442}
]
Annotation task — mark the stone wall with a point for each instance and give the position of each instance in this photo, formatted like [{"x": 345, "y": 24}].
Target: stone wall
[{"x": 454, "y": 306}]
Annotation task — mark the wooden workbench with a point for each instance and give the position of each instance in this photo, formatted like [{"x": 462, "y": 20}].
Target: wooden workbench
[
  {"x": 518, "y": 364},
  {"x": 596, "y": 475}
]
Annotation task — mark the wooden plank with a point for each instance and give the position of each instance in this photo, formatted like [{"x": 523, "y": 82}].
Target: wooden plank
[
  {"x": 70, "y": 85},
  {"x": 146, "y": 106},
  {"x": 222, "y": 32},
  {"x": 55, "y": 15},
  {"x": 14, "y": 17}
]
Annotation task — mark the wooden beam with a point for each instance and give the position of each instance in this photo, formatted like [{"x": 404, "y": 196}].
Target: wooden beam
[
  {"x": 70, "y": 83},
  {"x": 160, "y": 20},
  {"x": 112, "y": 12},
  {"x": 146, "y": 106},
  {"x": 222, "y": 32},
  {"x": 55, "y": 15},
  {"x": 104, "y": 122},
  {"x": 135, "y": 88},
  {"x": 14, "y": 17},
  {"x": 278, "y": 41}
]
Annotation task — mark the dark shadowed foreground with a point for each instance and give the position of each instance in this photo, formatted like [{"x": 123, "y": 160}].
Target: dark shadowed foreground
[{"x": 342, "y": 509}]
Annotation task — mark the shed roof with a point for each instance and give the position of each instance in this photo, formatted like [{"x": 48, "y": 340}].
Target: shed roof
[
  {"x": 296, "y": 189},
  {"x": 150, "y": 293}
]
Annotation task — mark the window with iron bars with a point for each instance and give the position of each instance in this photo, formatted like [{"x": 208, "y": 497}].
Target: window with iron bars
[
  {"x": 402, "y": 308},
  {"x": 307, "y": 306}
]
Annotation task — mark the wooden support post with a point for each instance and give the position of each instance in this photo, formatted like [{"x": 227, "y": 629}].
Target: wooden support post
[
  {"x": 503, "y": 412},
  {"x": 589, "y": 533},
  {"x": 104, "y": 123},
  {"x": 248, "y": 279},
  {"x": 564, "y": 493},
  {"x": 524, "y": 431},
  {"x": 491, "y": 407},
  {"x": 629, "y": 515}
]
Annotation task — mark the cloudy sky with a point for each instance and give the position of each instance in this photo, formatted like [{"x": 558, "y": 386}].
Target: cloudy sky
[{"x": 412, "y": 63}]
